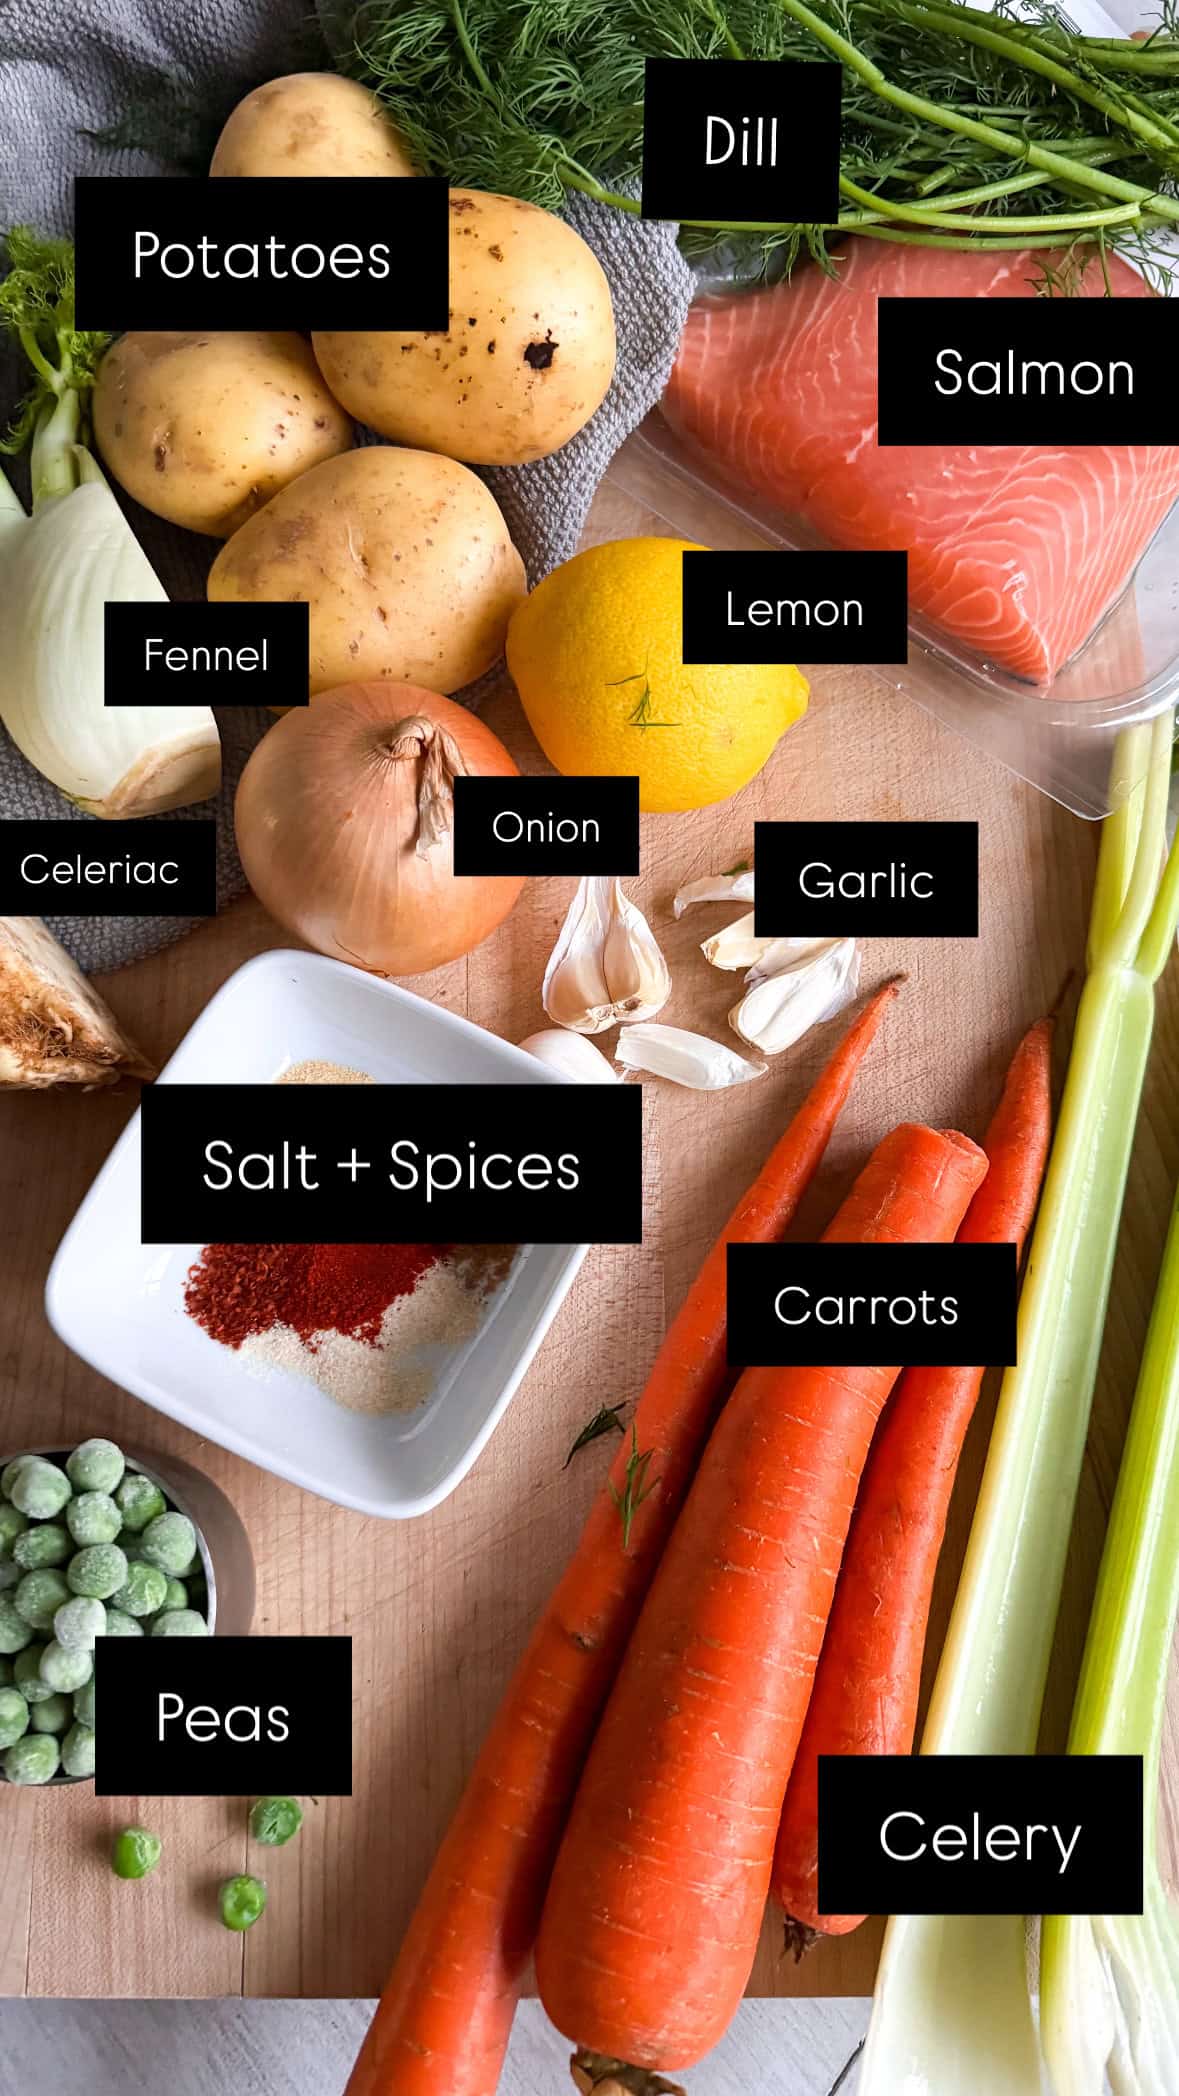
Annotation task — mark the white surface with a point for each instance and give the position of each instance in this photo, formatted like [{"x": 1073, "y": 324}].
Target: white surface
[
  {"x": 119, "y": 1303},
  {"x": 287, "y": 2048}
]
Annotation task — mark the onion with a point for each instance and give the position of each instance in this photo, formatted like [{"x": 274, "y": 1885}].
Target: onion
[{"x": 344, "y": 817}]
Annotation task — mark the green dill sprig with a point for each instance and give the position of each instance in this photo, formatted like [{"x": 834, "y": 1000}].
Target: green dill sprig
[
  {"x": 635, "y": 1487},
  {"x": 606, "y": 1420}
]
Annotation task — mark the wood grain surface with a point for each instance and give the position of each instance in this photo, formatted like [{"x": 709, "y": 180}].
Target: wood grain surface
[{"x": 438, "y": 1608}]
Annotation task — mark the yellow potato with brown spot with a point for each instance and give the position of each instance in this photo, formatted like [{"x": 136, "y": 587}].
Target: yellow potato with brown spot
[
  {"x": 526, "y": 360},
  {"x": 310, "y": 124},
  {"x": 403, "y": 558},
  {"x": 204, "y": 428}
]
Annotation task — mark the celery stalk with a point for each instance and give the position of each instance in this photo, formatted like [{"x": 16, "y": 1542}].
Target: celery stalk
[
  {"x": 952, "y": 2014},
  {"x": 1110, "y": 1983}
]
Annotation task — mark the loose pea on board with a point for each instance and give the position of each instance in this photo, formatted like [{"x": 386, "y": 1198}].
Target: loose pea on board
[
  {"x": 241, "y": 1900},
  {"x": 273, "y": 1821},
  {"x": 135, "y": 1852}
]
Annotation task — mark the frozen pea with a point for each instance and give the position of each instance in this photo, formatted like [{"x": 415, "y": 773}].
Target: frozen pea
[
  {"x": 143, "y": 1589},
  {"x": 9, "y": 1575},
  {"x": 26, "y": 1675},
  {"x": 139, "y": 1501},
  {"x": 241, "y": 1901},
  {"x": 77, "y": 1751},
  {"x": 274, "y": 1820},
  {"x": 169, "y": 1542},
  {"x": 176, "y": 1596},
  {"x": 10, "y": 1472},
  {"x": 53, "y": 1714},
  {"x": 14, "y": 1716},
  {"x": 135, "y": 1852},
  {"x": 84, "y": 1703},
  {"x": 12, "y": 1524},
  {"x": 180, "y": 1622},
  {"x": 47, "y": 1544},
  {"x": 33, "y": 1759},
  {"x": 95, "y": 1466},
  {"x": 15, "y": 1633},
  {"x": 40, "y": 1489},
  {"x": 119, "y": 1624},
  {"x": 64, "y": 1668},
  {"x": 78, "y": 1622},
  {"x": 5, "y": 1671},
  {"x": 98, "y": 1571},
  {"x": 93, "y": 1518},
  {"x": 39, "y": 1596}
]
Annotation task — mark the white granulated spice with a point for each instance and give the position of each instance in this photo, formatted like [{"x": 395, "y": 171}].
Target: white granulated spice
[{"x": 316, "y": 1072}]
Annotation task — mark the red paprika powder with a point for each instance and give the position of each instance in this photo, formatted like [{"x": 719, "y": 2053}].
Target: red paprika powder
[{"x": 235, "y": 1291}]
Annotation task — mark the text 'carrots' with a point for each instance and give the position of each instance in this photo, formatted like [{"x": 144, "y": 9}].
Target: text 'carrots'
[
  {"x": 652, "y": 1918},
  {"x": 868, "y": 1681},
  {"x": 443, "y": 2022}
]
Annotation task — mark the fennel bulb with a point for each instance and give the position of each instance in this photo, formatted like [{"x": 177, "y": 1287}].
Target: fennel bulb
[
  {"x": 63, "y": 565},
  {"x": 952, "y": 2014}
]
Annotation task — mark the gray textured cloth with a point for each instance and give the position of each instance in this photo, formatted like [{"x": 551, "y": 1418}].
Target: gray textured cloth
[{"x": 134, "y": 63}]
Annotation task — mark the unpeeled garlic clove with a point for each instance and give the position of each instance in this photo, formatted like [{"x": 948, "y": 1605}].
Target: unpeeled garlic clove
[
  {"x": 571, "y": 1055},
  {"x": 686, "y": 1058},
  {"x": 606, "y": 965},
  {"x": 737, "y": 946},
  {"x": 736, "y": 886},
  {"x": 797, "y": 983}
]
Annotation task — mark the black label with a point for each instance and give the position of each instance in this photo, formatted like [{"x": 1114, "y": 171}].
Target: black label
[
  {"x": 272, "y": 251},
  {"x": 980, "y": 1834},
  {"x": 796, "y": 607},
  {"x": 574, "y": 825},
  {"x": 844, "y": 880},
  {"x": 393, "y": 1164},
  {"x": 59, "y": 867},
  {"x": 214, "y": 1717},
  {"x": 1027, "y": 371},
  {"x": 737, "y": 140},
  {"x": 839, "y": 1305},
  {"x": 206, "y": 654}
]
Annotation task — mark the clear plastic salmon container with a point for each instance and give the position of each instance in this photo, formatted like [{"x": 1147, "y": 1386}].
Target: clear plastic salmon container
[{"x": 1058, "y": 736}]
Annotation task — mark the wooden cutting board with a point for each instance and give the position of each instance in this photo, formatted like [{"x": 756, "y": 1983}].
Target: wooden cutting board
[{"x": 438, "y": 1608}]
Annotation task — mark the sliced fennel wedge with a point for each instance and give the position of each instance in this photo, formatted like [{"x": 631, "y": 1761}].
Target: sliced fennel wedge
[
  {"x": 952, "y": 2012},
  {"x": 1109, "y": 1984}
]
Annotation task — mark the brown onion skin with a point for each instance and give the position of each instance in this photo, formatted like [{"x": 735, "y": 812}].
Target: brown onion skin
[{"x": 291, "y": 823}]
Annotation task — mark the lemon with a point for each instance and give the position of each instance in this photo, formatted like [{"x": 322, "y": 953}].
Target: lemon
[{"x": 597, "y": 656}]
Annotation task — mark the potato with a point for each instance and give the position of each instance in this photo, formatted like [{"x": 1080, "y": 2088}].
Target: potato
[
  {"x": 203, "y": 429},
  {"x": 525, "y": 361},
  {"x": 310, "y": 124},
  {"x": 403, "y": 558}
]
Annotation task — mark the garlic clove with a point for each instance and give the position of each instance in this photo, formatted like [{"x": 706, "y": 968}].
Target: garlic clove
[
  {"x": 737, "y": 946},
  {"x": 571, "y": 1055},
  {"x": 812, "y": 981},
  {"x": 686, "y": 1058},
  {"x": 606, "y": 965},
  {"x": 715, "y": 887}
]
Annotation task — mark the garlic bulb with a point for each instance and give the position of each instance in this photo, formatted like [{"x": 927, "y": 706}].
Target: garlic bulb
[
  {"x": 54, "y": 1029},
  {"x": 715, "y": 887},
  {"x": 737, "y": 946},
  {"x": 606, "y": 965},
  {"x": 797, "y": 983},
  {"x": 571, "y": 1054},
  {"x": 686, "y": 1058}
]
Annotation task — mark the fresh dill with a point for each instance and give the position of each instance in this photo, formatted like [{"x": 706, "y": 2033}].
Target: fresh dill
[
  {"x": 635, "y": 1488},
  {"x": 643, "y": 714},
  {"x": 954, "y": 119},
  {"x": 741, "y": 866},
  {"x": 37, "y": 308},
  {"x": 606, "y": 1420}
]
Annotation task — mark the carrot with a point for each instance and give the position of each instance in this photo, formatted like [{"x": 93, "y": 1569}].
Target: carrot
[
  {"x": 652, "y": 1918},
  {"x": 444, "y": 2019},
  {"x": 868, "y": 1682}
]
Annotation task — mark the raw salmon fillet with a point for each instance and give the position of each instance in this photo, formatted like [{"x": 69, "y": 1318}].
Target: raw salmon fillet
[{"x": 1014, "y": 551}]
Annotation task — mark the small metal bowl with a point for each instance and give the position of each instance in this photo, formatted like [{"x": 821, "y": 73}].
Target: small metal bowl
[{"x": 222, "y": 1543}]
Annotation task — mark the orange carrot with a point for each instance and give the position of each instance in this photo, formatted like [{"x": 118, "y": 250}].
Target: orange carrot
[
  {"x": 652, "y": 1918},
  {"x": 443, "y": 2022},
  {"x": 869, "y": 1676}
]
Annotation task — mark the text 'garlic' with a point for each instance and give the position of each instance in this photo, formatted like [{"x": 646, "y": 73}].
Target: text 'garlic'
[
  {"x": 606, "y": 965},
  {"x": 571, "y": 1055},
  {"x": 686, "y": 1058},
  {"x": 736, "y": 886},
  {"x": 737, "y": 946},
  {"x": 796, "y": 984}
]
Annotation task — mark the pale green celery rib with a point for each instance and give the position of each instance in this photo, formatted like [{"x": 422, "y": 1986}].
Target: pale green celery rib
[
  {"x": 1110, "y": 1983},
  {"x": 952, "y": 2015}
]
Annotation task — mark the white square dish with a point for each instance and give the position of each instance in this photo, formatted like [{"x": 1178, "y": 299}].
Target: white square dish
[{"x": 119, "y": 1303}]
